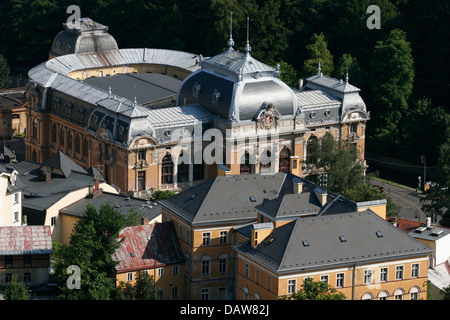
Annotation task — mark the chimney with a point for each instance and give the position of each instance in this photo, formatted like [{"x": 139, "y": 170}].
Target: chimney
[
  {"x": 321, "y": 195},
  {"x": 300, "y": 84},
  {"x": 145, "y": 220},
  {"x": 428, "y": 222},
  {"x": 298, "y": 185},
  {"x": 260, "y": 231}
]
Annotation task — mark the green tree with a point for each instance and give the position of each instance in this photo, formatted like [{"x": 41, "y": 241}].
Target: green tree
[
  {"x": 446, "y": 293},
  {"x": 92, "y": 244},
  {"x": 16, "y": 290},
  {"x": 143, "y": 289},
  {"x": 391, "y": 86},
  {"x": 318, "y": 50},
  {"x": 5, "y": 80},
  {"x": 162, "y": 194},
  {"x": 348, "y": 65},
  {"x": 315, "y": 290},
  {"x": 288, "y": 74}
]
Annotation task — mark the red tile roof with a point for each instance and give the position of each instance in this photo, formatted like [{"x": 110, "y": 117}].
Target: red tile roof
[
  {"x": 25, "y": 240},
  {"x": 136, "y": 251}
]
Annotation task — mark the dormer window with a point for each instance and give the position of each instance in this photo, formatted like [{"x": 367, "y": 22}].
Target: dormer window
[
  {"x": 215, "y": 97},
  {"x": 196, "y": 89}
]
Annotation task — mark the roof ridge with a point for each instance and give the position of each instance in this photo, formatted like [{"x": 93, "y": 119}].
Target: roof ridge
[{"x": 284, "y": 250}]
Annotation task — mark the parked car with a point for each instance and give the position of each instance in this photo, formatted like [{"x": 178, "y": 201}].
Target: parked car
[{"x": 45, "y": 290}]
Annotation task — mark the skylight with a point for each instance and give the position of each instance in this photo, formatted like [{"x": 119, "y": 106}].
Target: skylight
[
  {"x": 252, "y": 199},
  {"x": 305, "y": 243},
  {"x": 379, "y": 234},
  {"x": 342, "y": 238}
]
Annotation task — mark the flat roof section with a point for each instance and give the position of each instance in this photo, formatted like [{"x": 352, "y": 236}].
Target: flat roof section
[{"x": 150, "y": 87}]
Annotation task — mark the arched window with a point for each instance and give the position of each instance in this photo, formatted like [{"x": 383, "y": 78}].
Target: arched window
[
  {"x": 246, "y": 293},
  {"x": 167, "y": 170},
  {"x": 183, "y": 170},
  {"x": 78, "y": 143},
  {"x": 69, "y": 140},
  {"x": 265, "y": 161},
  {"x": 312, "y": 147},
  {"x": 35, "y": 128},
  {"x": 206, "y": 265},
  {"x": 61, "y": 136},
  {"x": 245, "y": 167},
  {"x": 414, "y": 293},
  {"x": 257, "y": 296},
  {"x": 284, "y": 160},
  {"x": 383, "y": 295},
  {"x": 398, "y": 294},
  {"x": 54, "y": 133},
  {"x": 85, "y": 147},
  {"x": 367, "y": 296}
]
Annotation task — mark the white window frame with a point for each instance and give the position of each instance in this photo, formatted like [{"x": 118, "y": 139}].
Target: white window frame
[
  {"x": 291, "y": 286},
  {"x": 340, "y": 278},
  {"x": 160, "y": 272},
  {"x": 324, "y": 278},
  {"x": 223, "y": 237},
  {"x": 130, "y": 276},
  {"x": 206, "y": 238},
  {"x": 205, "y": 294},
  {"x": 399, "y": 272},
  {"x": 415, "y": 268},
  {"x": 175, "y": 270},
  {"x": 368, "y": 276},
  {"x": 384, "y": 272}
]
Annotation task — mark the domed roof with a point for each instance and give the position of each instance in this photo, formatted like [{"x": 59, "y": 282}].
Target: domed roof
[
  {"x": 236, "y": 87},
  {"x": 89, "y": 36}
]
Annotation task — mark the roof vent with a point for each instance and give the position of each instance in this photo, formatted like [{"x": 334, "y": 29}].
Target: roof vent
[
  {"x": 305, "y": 243},
  {"x": 252, "y": 199},
  {"x": 421, "y": 229},
  {"x": 379, "y": 234},
  {"x": 342, "y": 238},
  {"x": 436, "y": 232}
]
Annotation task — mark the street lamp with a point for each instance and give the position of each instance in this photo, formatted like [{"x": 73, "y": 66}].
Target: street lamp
[{"x": 424, "y": 161}]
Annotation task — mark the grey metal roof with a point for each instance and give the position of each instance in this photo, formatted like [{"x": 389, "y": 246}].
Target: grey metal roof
[
  {"x": 146, "y": 87},
  {"x": 225, "y": 199},
  {"x": 237, "y": 63},
  {"x": 322, "y": 81},
  {"x": 60, "y": 161},
  {"x": 431, "y": 234},
  {"x": 286, "y": 253},
  {"x": 122, "y": 203}
]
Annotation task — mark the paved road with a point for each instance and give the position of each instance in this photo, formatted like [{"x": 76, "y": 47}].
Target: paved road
[{"x": 407, "y": 199}]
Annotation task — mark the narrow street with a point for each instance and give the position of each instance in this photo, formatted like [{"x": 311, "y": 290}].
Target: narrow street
[{"x": 409, "y": 201}]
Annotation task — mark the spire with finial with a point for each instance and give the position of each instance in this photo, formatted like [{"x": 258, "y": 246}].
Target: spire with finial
[
  {"x": 319, "y": 68},
  {"x": 346, "y": 76},
  {"x": 231, "y": 41},
  {"x": 247, "y": 47}
]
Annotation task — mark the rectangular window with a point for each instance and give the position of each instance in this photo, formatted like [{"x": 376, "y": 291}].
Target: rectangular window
[
  {"x": 399, "y": 273},
  {"x": 246, "y": 270},
  {"x": 175, "y": 270},
  {"x": 205, "y": 267},
  {"x": 8, "y": 261},
  {"x": 205, "y": 294},
  {"x": 130, "y": 276},
  {"x": 206, "y": 238},
  {"x": 27, "y": 261},
  {"x": 257, "y": 276},
  {"x": 160, "y": 272},
  {"x": 16, "y": 197},
  {"x": 292, "y": 286},
  {"x": 415, "y": 296},
  {"x": 415, "y": 270},
  {"x": 141, "y": 180},
  {"x": 324, "y": 278},
  {"x": 222, "y": 266},
  {"x": 223, "y": 237},
  {"x": 160, "y": 294},
  {"x": 174, "y": 292},
  {"x": 8, "y": 277},
  {"x": 53, "y": 221},
  {"x": 188, "y": 236},
  {"x": 16, "y": 216},
  {"x": 180, "y": 231},
  {"x": 368, "y": 276},
  {"x": 27, "y": 277},
  {"x": 383, "y": 274},
  {"x": 340, "y": 280},
  {"x": 268, "y": 283}
]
